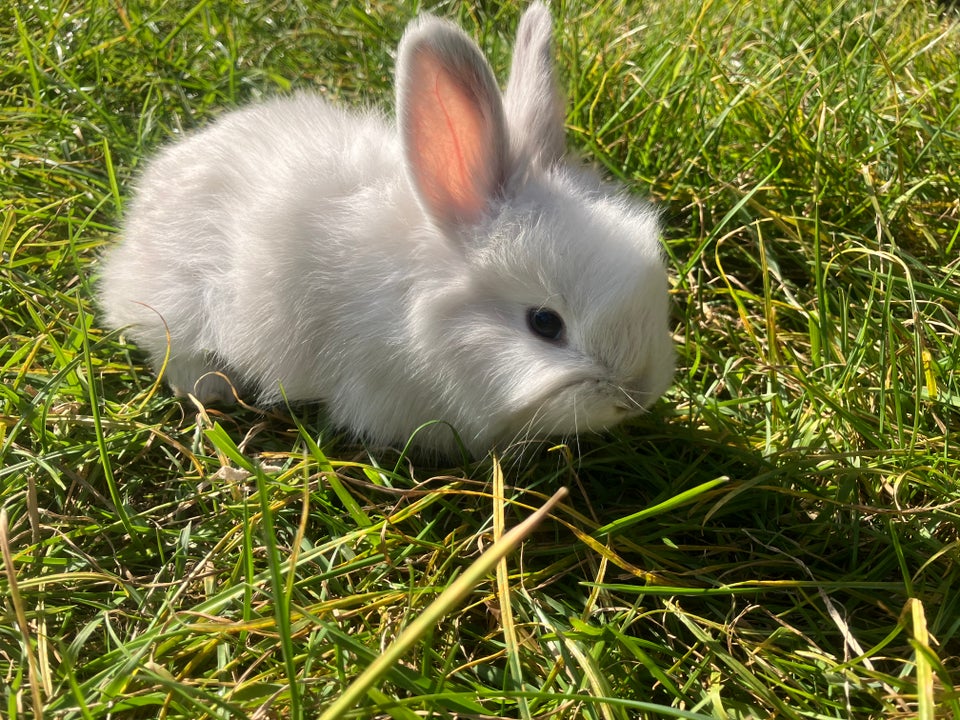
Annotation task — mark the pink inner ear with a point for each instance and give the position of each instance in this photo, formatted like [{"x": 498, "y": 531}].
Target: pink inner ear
[{"x": 452, "y": 143}]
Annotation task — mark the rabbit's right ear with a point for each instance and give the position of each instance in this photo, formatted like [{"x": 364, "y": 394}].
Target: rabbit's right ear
[
  {"x": 451, "y": 122},
  {"x": 534, "y": 104}
]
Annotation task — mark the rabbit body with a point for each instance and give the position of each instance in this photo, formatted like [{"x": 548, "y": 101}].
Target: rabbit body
[{"x": 401, "y": 273}]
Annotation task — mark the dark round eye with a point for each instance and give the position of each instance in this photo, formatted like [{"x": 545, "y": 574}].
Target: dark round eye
[{"x": 545, "y": 323}]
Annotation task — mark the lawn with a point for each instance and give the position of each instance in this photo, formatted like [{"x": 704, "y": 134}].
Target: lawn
[{"x": 777, "y": 538}]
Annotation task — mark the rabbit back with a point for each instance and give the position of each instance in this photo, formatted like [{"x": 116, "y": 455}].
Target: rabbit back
[{"x": 239, "y": 238}]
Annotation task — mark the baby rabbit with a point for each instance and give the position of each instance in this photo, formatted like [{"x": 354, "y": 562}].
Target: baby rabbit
[{"x": 450, "y": 266}]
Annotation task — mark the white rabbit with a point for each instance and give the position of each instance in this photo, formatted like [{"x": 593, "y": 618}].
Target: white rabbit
[{"x": 451, "y": 269}]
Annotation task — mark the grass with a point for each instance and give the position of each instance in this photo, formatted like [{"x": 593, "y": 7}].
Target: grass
[{"x": 778, "y": 538}]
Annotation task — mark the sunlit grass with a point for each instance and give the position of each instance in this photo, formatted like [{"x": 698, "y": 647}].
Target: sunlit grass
[{"x": 778, "y": 538}]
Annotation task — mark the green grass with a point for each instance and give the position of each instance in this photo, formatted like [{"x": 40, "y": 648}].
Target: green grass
[{"x": 778, "y": 538}]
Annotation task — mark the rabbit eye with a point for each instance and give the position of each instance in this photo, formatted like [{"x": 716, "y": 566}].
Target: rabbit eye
[{"x": 545, "y": 323}]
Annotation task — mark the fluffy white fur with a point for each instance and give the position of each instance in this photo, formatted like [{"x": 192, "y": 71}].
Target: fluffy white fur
[{"x": 389, "y": 271}]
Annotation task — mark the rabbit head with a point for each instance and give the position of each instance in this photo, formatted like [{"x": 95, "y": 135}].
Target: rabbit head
[{"x": 558, "y": 321}]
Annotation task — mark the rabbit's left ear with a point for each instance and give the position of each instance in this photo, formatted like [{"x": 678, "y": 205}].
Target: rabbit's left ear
[
  {"x": 534, "y": 103},
  {"x": 451, "y": 123}
]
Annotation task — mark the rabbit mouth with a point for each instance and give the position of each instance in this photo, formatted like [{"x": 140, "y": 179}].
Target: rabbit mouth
[
  {"x": 583, "y": 405},
  {"x": 631, "y": 400},
  {"x": 625, "y": 398}
]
